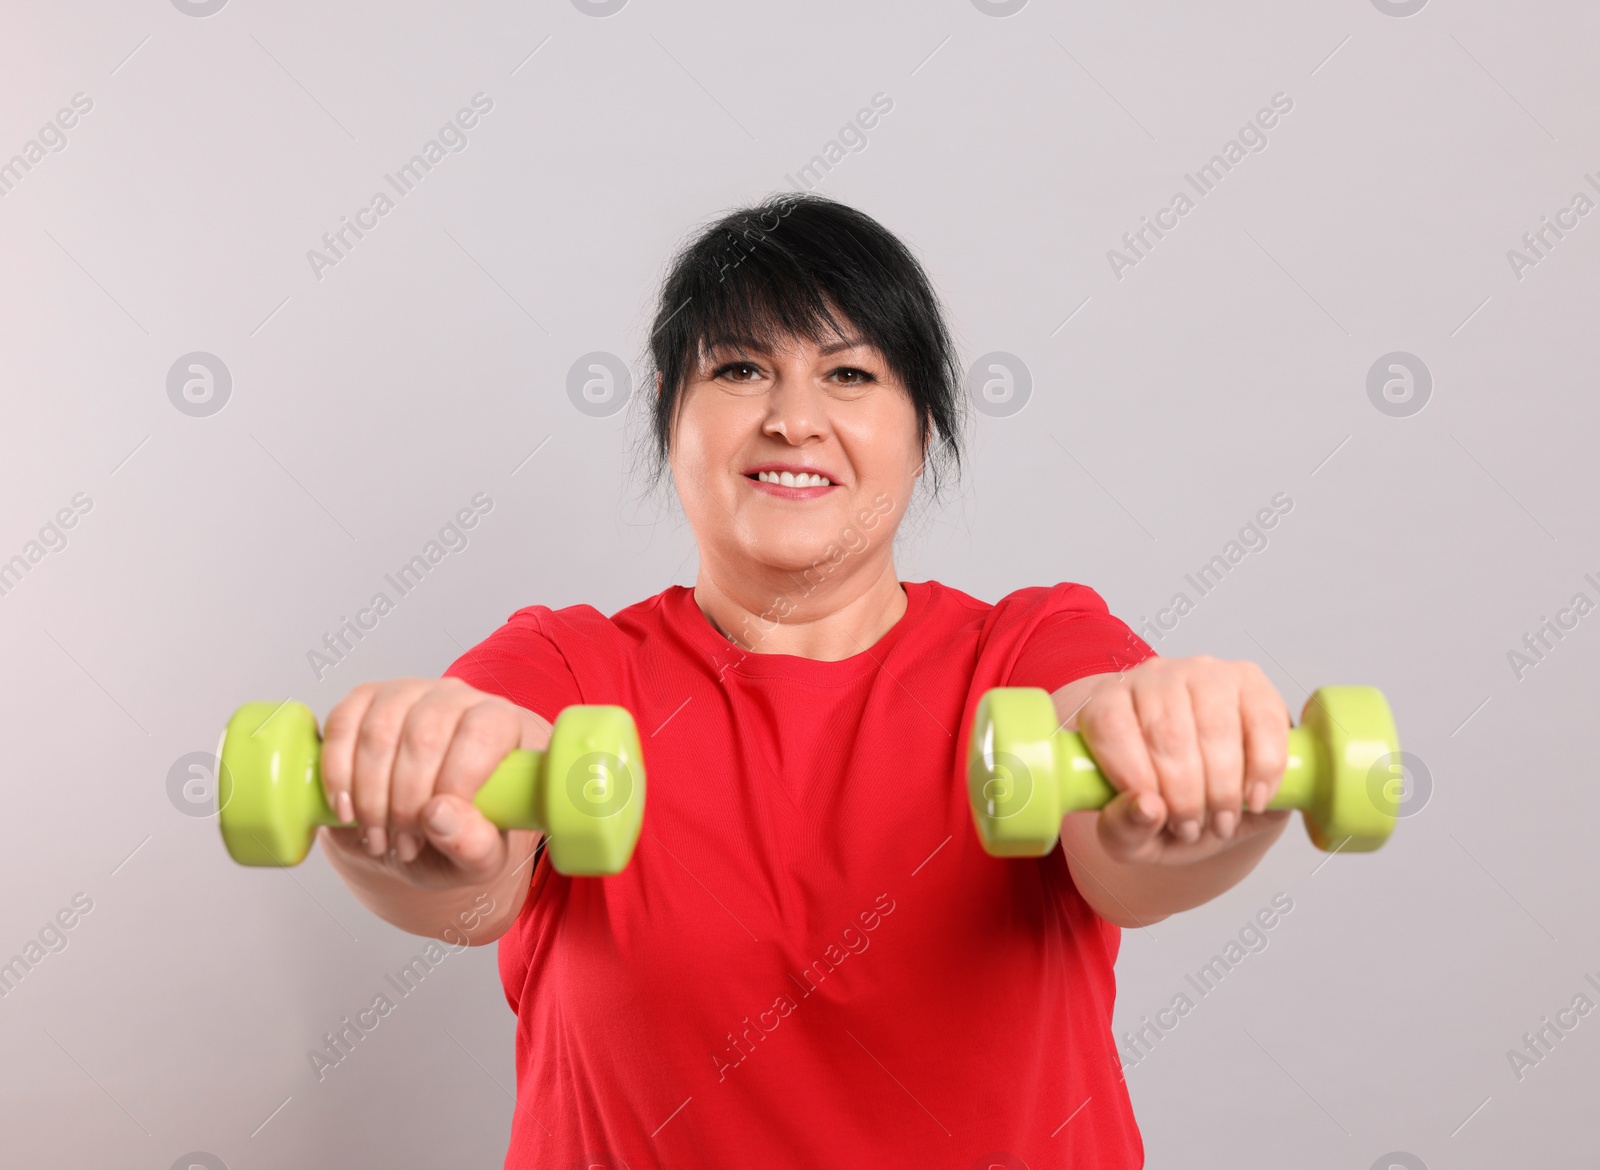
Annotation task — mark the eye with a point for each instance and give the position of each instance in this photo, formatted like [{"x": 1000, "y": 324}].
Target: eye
[
  {"x": 852, "y": 376},
  {"x": 745, "y": 371}
]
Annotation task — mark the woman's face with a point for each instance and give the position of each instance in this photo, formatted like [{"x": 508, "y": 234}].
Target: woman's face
[{"x": 832, "y": 409}]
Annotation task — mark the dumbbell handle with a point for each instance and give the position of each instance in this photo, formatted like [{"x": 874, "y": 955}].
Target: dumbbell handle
[
  {"x": 508, "y": 798},
  {"x": 1083, "y": 786}
]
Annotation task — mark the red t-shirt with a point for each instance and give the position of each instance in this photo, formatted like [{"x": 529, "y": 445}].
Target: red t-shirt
[{"x": 810, "y": 961}]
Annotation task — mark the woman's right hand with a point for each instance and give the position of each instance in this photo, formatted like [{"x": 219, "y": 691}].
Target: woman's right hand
[{"x": 403, "y": 759}]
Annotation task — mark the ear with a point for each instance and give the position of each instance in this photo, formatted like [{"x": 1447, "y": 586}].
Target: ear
[{"x": 658, "y": 383}]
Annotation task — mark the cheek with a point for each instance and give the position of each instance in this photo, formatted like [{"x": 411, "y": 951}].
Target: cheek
[
  {"x": 703, "y": 428},
  {"x": 694, "y": 485},
  {"x": 710, "y": 431},
  {"x": 883, "y": 445}
]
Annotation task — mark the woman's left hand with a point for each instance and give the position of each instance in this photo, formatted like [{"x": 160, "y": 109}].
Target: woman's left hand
[{"x": 1196, "y": 748}]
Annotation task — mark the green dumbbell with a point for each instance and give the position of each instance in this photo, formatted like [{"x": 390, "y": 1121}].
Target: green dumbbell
[
  {"x": 1024, "y": 774},
  {"x": 585, "y": 791}
]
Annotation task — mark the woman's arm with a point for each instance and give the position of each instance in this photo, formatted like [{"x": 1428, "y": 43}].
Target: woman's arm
[
  {"x": 477, "y": 913},
  {"x": 1185, "y": 741}
]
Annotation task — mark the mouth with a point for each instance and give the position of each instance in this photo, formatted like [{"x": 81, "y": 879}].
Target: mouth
[{"x": 789, "y": 482}]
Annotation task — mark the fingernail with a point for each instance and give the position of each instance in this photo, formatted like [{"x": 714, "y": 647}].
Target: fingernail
[
  {"x": 1189, "y": 831},
  {"x": 1224, "y": 823},
  {"x": 407, "y": 845},
  {"x": 343, "y": 808},
  {"x": 442, "y": 819},
  {"x": 1257, "y": 798},
  {"x": 377, "y": 842}
]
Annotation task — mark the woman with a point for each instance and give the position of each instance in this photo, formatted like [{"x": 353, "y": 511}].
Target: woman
[{"x": 809, "y": 959}]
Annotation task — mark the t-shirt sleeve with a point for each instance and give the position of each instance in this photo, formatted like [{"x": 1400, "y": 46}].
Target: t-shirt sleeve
[
  {"x": 521, "y": 662},
  {"x": 1075, "y": 636}
]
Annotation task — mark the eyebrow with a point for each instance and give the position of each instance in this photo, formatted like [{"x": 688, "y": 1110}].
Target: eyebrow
[{"x": 840, "y": 346}]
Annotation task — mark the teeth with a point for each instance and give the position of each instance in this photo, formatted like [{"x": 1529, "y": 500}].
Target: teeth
[{"x": 790, "y": 479}]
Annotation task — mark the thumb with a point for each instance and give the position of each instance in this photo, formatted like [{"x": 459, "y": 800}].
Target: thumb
[
  {"x": 456, "y": 828},
  {"x": 1129, "y": 822}
]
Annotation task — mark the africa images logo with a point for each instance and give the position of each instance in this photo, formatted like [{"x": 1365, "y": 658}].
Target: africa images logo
[
  {"x": 599, "y": 384},
  {"x": 999, "y": 384},
  {"x": 199, "y": 384},
  {"x": 1399, "y": 384}
]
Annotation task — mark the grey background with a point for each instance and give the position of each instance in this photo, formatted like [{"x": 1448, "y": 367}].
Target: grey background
[{"x": 1167, "y": 407}]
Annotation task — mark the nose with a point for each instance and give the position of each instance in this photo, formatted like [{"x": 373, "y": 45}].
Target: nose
[{"x": 796, "y": 409}]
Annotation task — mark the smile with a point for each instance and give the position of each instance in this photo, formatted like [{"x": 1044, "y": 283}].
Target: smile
[
  {"x": 790, "y": 479},
  {"x": 791, "y": 485}
]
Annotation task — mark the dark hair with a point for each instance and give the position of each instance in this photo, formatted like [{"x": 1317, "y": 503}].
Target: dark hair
[{"x": 777, "y": 270}]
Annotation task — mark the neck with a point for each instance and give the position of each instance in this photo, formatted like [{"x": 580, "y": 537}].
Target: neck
[{"x": 784, "y": 613}]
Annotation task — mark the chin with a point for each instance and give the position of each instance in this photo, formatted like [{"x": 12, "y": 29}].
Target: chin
[{"x": 790, "y": 554}]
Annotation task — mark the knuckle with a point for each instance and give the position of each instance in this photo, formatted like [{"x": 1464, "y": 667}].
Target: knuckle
[
  {"x": 346, "y": 717},
  {"x": 468, "y": 695},
  {"x": 1167, "y": 734},
  {"x": 1215, "y": 726},
  {"x": 1224, "y": 773},
  {"x": 1230, "y": 801},
  {"x": 335, "y": 770},
  {"x": 425, "y": 735},
  {"x": 1160, "y": 669},
  {"x": 377, "y": 736},
  {"x": 1224, "y": 770},
  {"x": 450, "y": 686},
  {"x": 1136, "y": 674},
  {"x": 1113, "y": 720},
  {"x": 371, "y": 804},
  {"x": 1224, "y": 763},
  {"x": 393, "y": 692},
  {"x": 1184, "y": 800},
  {"x": 1181, "y": 778},
  {"x": 1271, "y": 757},
  {"x": 490, "y": 717},
  {"x": 340, "y": 722}
]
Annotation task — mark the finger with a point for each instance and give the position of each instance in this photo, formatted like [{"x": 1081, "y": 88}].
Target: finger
[
  {"x": 337, "y": 760},
  {"x": 1167, "y": 718},
  {"x": 1214, "y": 697},
  {"x": 487, "y": 731},
  {"x": 430, "y": 725},
  {"x": 1266, "y": 739},
  {"x": 1111, "y": 731},
  {"x": 1129, "y": 825},
  {"x": 376, "y": 745},
  {"x": 464, "y": 835}
]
